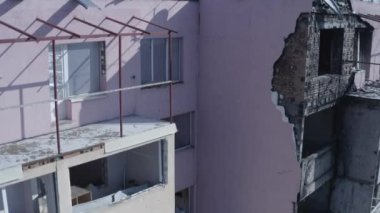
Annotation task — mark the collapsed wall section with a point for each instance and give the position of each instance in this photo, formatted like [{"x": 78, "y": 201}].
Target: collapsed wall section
[{"x": 289, "y": 76}]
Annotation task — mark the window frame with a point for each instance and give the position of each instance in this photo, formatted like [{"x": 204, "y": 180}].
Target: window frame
[
  {"x": 331, "y": 35},
  {"x": 65, "y": 69},
  {"x": 153, "y": 70},
  {"x": 191, "y": 129}
]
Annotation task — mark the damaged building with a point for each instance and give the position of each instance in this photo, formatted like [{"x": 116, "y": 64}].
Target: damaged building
[
  {"x": 187, "y": 106},
  {"x": 322, "y": 81}
]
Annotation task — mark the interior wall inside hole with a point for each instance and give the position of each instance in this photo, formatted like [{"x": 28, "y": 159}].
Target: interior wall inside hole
[
  {"x": 330, "y": 51},
  {"x": 130, "y": 171},
  {"x": 320, "y": 131}
]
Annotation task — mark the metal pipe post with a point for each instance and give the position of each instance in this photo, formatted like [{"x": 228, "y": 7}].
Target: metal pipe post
[
  {"x": 170, "y": 77},
  {"x": 120, "y": 92},
  {"x": 56, "y": 98}
]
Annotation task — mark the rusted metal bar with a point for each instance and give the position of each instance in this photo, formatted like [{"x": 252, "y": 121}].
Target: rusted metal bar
[
  {"x": 154, "y": 24},
  {"x": 56, "y": 97},
  {"x": 120, "y": 92},
  {"x": 170, "y": 77},
  {"x": 58, "y": 27},
  {"x": 361, "y": 62},
  {"x": 127, "y": 25},
  {"x": 95, "y": 26},
  {"x": 30, "y": 36},
  {"x": 86, "y": 95},
  {"x": 49, "y": 38}
]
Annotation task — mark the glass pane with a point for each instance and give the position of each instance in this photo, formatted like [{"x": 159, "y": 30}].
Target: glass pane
[
  {"x": 35, "y": 195},
  {"x": 177, "y": 59},
  {"x": 83, "y": 68},
  {"x": 159, "y": 60},
  {"x": 146, "y": 61},
  {"x": 183, "y": 136}
]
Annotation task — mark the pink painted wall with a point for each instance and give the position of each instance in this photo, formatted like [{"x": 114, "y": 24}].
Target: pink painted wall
[
  {"x": 24, "y": 73},
  {"x": 24, "y": 67},
  {"x": 246, "y": 154},
  {"x": 373, "y": 9}
]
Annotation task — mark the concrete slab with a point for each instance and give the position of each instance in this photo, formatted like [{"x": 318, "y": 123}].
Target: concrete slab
[{"x": 44, "y": 147}]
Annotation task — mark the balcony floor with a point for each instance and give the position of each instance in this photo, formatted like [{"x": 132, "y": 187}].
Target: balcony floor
[{"x": 45, "y": 146}]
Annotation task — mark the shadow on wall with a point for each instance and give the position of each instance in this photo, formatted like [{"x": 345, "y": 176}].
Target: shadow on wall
[
  {"x": 131, "y": 72},
  {"x": 7, "y": 5},
  {"x": 90, "y": 111},
  {"x": 56, "y": 18}
]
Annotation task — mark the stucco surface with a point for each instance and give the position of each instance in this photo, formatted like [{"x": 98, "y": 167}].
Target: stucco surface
[{"x": 246, "y": 153}]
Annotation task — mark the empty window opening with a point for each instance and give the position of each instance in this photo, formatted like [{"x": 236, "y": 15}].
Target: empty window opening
[
  {"x": 320, "y": 131},
  {"x": 185, "y": 124},
  {"x": 155, "y": 60},
  {"x": 183, "y": 201},
  {"x": 363, "y": 50},
  {"x": 37, "y": 195},
  {"x": 118, "y": 177},
  {"x": 330, "y": 51},
  {"x": 317, "y": 202},
  {"x": 79, "y": 67}
]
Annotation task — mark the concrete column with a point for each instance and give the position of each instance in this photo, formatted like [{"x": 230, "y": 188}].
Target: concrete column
[
  {"x": 4, "y": 200},
  {"x": 63, "y": 187},
  {"x": 170, "y": 173}
]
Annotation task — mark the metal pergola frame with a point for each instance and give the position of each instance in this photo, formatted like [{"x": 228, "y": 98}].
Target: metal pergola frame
[{"x": 108, "y": 33}]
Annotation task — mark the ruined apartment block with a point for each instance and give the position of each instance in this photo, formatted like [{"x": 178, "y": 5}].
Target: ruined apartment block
[{"x": 320, "y": 81}]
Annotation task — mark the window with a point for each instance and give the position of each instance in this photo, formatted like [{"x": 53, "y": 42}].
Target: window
[
  {"x": 330, "y": 51},
  {"x": 78, "y": 67},
  {"x": 34, "y": 195},
  {"x": 185, "y": 125},
  {"x": 363, "y": 50},
  {"x": 155, "y": 60},
  {"x": 183, "y": 201}
]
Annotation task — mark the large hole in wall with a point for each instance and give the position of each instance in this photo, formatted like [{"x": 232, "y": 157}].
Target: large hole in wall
[
  {"x": 320, "y": 131},
  {"x": 117, "y": 177},
  {"x": 330, "y": 51},
  {"x": 318, "y": 202}
]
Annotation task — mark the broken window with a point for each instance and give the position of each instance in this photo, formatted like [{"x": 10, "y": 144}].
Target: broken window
[
  {"x": 330, "y": 51},
  {"x": 126, "y": 174},
  {"x": 155, "y": 60},
  {"x": 78, "y": 67},
  {"x": 185, "y": 125},
  {"x": 183, "y": 201},
  {"x": 320, "y": 131},
  {"x": 37, "y": 195},
  {"x": 363, "y": 50}
]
